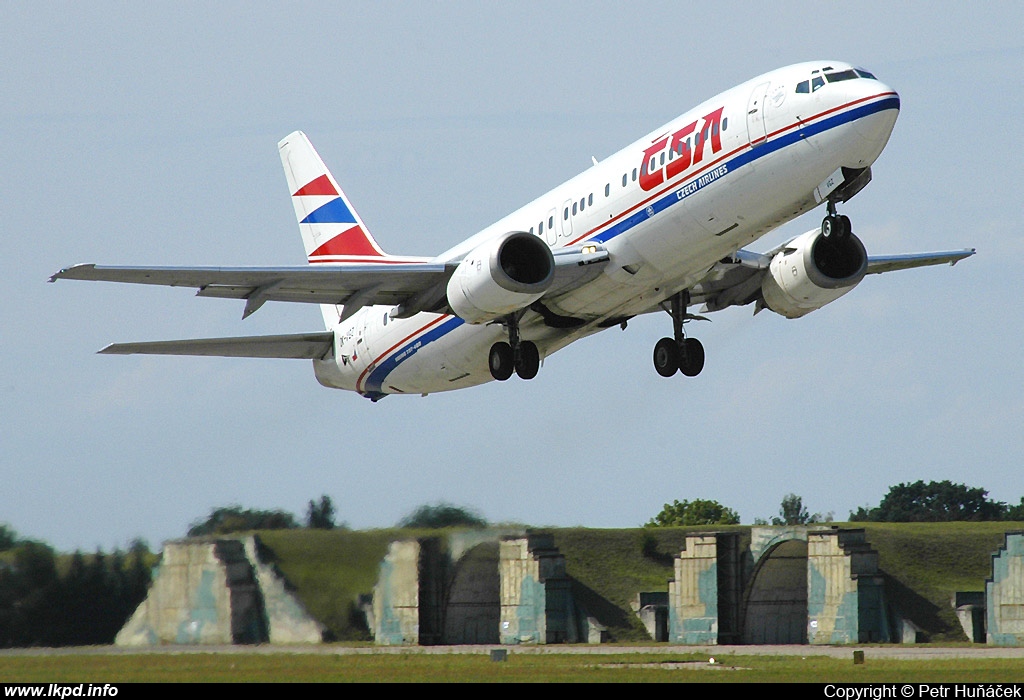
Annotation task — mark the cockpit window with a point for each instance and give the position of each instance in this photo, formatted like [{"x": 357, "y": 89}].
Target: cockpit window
[
  {"x": 864, "y": 74},
  {"x": 811, "y": 85},
  {"x": 841, "y": 75}
]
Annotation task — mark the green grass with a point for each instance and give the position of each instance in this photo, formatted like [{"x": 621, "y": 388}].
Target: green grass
[
  {"x": 927, "y": 563},
  {"x": 328, "y": 570},
  {"x": 536, "y": 668}
]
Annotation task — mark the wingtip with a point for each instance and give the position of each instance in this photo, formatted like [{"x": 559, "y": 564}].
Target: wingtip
[{"x": 68, "y": 272}]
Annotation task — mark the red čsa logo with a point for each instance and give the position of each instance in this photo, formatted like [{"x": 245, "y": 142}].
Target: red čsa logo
[{"x": 685, "y": 148}]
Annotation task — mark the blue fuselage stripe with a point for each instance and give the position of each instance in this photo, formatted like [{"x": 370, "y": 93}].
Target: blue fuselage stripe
[{"x": 375, "y": 382}]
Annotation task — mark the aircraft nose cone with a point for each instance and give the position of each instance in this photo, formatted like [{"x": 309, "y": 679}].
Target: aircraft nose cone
[{"x": 880, "y": 105}]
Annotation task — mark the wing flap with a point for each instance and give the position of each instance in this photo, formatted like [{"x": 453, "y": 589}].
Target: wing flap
[{"x": 301, "y": 346}]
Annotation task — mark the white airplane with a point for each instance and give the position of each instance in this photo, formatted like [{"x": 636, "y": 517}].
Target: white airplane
[{"x": 660, "y": 225}]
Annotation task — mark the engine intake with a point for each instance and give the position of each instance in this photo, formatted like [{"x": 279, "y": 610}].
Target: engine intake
[
  {"x": 812, "y": 271},
  {"x": 503, "y": 275}
]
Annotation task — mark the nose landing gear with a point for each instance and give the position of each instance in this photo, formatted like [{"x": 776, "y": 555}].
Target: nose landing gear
[
  {"x": 679, "y": 353},
  {"x": 835, "y": 227}
]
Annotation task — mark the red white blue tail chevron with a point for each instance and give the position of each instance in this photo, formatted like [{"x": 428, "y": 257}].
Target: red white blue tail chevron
[{"x": 332, "y": 231}]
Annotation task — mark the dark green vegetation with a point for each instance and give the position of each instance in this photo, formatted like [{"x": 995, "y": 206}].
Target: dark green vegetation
[
  {"x": 48, "y": 599},
  {"x": 937, "y": 501},
  {"x": 524, "y": 668},
  {"x": 442, "y": 515},
  {"x": 695, "y": 512}
]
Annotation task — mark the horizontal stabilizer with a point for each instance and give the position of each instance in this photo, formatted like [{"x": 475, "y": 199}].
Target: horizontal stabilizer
[{"x": 301, "y": 346}]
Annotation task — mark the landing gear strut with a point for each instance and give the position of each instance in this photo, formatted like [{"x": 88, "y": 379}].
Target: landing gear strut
[
  {"x": 835, "y": 227},
  {"x": 679, "y": 353},
  {"x": 517, "y": 355}
]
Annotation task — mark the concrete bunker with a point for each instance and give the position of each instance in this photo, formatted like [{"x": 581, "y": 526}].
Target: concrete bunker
[
  {"x": 789, "y": 585},
  {"x": 476, "y": 588}
]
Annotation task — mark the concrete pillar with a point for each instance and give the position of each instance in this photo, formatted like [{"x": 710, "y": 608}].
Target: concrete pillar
[
  {"x": 536, "y": 600},
  {"x": 693, "y": 593},
  {"x": 217, "y": 591},
  {"x": 396, "y": 611},
  {"x": 845, "y": 591},
  {"x": 1004, "y": 594}
]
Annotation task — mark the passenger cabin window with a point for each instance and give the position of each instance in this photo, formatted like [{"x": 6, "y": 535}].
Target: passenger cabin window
[
  {"x": 625, "y": 178},
  {"x": 608, "y": 190},
  {"x": 590, "y": 198}
]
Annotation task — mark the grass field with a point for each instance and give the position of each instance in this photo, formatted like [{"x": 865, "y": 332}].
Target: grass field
[{"x": 531, "y": 668}]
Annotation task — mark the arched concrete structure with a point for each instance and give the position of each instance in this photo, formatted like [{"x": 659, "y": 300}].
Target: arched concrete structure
[
  {"x": 799, "y": 585},
  {"x": 775, "y": 604},
  {"x": 472, "y": 611}
]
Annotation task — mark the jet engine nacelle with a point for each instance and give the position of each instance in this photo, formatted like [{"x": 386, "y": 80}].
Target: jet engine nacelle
[
  {"x": 812, "y": 271},
  {"x": 503, "y": 275}
]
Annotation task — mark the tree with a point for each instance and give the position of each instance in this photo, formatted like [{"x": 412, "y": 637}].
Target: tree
[
  {"x": 1015, "y": 512},
  {"x": 226, "y": 520},
  {"x": 442, "y": 515},
  {"x": 936, "y": 501},
  {"x": 320, "y": 516},
  {"x": 8, "y": 537},
  {"x": 696, "y": 512},
  {"x": 793, "y": 512}
]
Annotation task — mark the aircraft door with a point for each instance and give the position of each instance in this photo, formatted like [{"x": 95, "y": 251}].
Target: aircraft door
[
  {"x": 755, "y": 115},
  {"x": 565, "y": 216},
  {"x": 551, "y": 233}
]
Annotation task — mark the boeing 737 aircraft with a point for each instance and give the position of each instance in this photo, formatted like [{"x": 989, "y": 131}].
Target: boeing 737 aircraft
[{"x": 660, "y": 225}]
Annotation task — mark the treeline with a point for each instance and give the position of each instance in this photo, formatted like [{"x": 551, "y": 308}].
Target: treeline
[
  {"x": 917, "y": 502},
  {"x": 48, "y": 599},
  {"x": 937, "y": 501}
]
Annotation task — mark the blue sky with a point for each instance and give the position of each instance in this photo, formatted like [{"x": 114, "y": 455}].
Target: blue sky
[{"x": 145, "y": 133}]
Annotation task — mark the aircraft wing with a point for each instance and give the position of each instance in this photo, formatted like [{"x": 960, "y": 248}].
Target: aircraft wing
[
  {"x": 736, "y": 281},
  {"x": 354, "y": 286},
  {"x": 411, "y": 287},
  {"x": 301, "y": 346},
  {"x": 888, "y": 263}
]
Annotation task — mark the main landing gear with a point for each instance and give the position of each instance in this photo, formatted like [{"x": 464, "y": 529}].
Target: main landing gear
[
  {"x": 517, "y": 355},
  {"x": 679, "y": 353},
  {"x": 835, "y": 227}
]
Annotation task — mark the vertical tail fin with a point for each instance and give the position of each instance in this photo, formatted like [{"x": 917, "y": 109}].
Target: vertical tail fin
[{"x": 332, "y": 231}]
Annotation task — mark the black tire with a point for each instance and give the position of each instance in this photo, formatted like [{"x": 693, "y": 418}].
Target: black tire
[
  {"x": 500, "y": 361},
  {"x": 691, "y": 359},
  {"x": 666, "y": 357},
  {"x": 529, "y": 360},
  {"x": 845, "y": 227},
  {"x": 829, "y": 227}
]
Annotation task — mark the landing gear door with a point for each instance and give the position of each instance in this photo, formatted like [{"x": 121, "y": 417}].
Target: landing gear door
[{"x": 755, "y": 115}]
